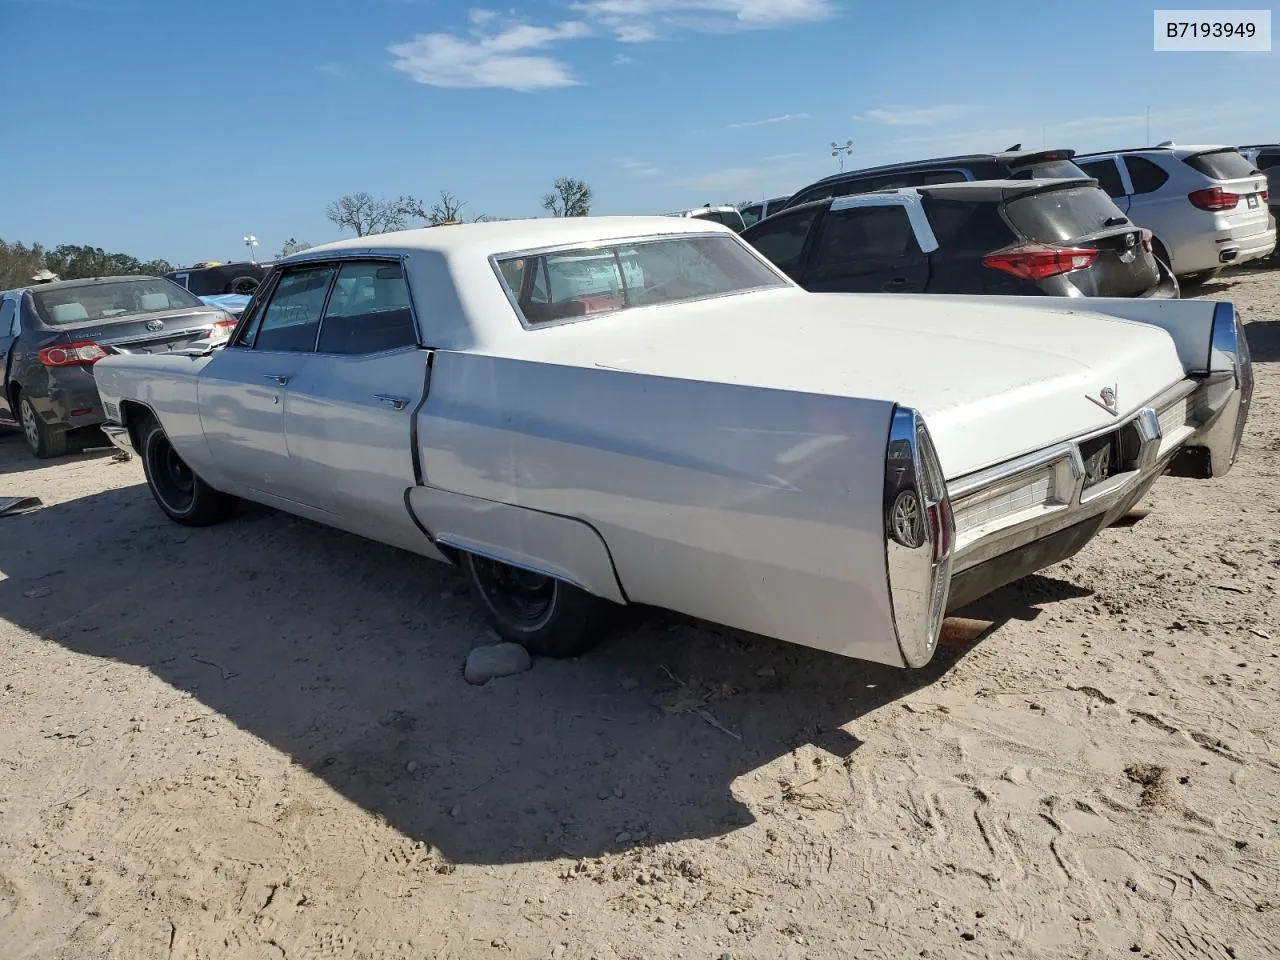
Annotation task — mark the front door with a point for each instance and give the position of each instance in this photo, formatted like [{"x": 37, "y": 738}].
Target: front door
[
  {"x": 244, "y": 390},
  {"x": 868, "y": 245},
  {"x": 349, "y": 413}
]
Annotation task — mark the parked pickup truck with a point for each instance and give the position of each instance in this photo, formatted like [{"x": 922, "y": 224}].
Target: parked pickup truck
[{"x": 686, "y": 428}]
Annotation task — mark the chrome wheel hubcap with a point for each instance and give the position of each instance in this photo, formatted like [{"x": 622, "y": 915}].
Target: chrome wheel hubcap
[{"x": 29, "y": 425}]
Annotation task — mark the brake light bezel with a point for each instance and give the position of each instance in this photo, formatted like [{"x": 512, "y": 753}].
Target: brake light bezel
[
  {"x": 1038, "y": 261},
  {"x": 1214, "y": 199},
  {"x": 79, "y": 353}
]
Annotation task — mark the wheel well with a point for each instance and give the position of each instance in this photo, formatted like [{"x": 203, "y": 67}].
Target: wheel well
[
  {"x": 15, "y": 388},
  {"x": 1161, "y": 251},
  {"x": 134, "y": 416}
]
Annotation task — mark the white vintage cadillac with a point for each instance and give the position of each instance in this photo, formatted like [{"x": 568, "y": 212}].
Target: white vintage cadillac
[{"x": 586, "y": 413}]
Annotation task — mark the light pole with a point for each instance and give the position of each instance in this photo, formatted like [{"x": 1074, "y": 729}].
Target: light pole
[
  {"x": 251, "y": 241},
  {"x": 842, "y": 151}
]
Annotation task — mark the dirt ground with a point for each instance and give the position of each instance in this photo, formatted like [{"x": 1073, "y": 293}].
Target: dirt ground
[{"x": 254, "y": 741}]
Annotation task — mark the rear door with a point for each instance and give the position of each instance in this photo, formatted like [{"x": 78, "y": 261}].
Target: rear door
[
  {"x": 869, "y": 244},
  {"x": 243, "y": 391},
  {"x": 784, "y": 238},
  {"x": 349, "y": 412},
  {"x": 1072, "y": 216},
  {"x": 8, "y": 339},
  {"x": 1107, "y": 171}
]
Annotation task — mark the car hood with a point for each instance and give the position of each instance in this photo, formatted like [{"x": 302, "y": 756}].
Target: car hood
[{"x": 992, "y": 380}]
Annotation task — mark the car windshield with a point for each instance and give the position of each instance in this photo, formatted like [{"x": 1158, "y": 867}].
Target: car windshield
[
  {"x": 114, "y": 298},
  {"x": 1052, "y": 216},
  {"x": 564, "y": 284}
]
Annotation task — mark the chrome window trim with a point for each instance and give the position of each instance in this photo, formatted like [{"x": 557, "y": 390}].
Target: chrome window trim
[{"x": 784, "y": 281}]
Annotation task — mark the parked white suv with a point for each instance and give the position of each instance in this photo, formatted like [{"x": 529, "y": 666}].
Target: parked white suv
[{"x": 1206, "y": 205}]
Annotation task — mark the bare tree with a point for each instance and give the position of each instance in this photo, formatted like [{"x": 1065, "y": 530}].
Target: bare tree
[
  {"x": 366, "y": 214},
  {"x": 448, "y": 209},
  {"x": 572, "y": 198},
  {"x": 292, "y": 246},
  {"x": 485, "y": 218}
]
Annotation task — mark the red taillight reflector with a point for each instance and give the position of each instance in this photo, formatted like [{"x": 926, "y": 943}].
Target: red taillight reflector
[
  {"x": 1035, "y": 261},
  {"x": 1214, "y": 199},
  {"x": 83, "y": 411},
  {"x": 69, "y": 355},
  {"x": 1266, "y": 196}
]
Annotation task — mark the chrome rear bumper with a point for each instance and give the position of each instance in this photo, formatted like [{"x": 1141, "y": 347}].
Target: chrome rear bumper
[
  {"x": 1021, "y": 516},
  {"x": 119, "y": 436}
]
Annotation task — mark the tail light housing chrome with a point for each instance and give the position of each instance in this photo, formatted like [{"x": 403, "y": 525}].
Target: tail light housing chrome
[
  {"x": 1229, "y": 351},
  {"x": 920, "y": 536}
]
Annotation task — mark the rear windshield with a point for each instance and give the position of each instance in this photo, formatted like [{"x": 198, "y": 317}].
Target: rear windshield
[
  {"x": 115, "y": 298},
  {"x": 728, "y": 218},
  {"x": 1064, "y": 214},
  {"x": 1049, "y": 170},
  {"x": 564, "y": 284},
  {"x": 1222, "y": 165}
]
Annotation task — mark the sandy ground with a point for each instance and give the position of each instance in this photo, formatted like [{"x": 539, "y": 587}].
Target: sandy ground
[{"x": 253, "y": 741}]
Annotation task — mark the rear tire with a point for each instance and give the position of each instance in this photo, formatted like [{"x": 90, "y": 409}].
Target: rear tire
[
  {"x": 177, "y": 489},
  {"x": 44, "y": 441},
  {"x": 243, "y": 285},
  {"x": 1192, "y": 280},
  {"x": 547, "y": 617}
]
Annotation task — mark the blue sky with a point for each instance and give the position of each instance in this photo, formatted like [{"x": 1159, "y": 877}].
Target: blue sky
[{"x": 171, "y": 130}]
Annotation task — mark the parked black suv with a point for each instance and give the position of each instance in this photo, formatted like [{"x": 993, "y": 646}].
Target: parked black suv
[
  {"x": 1061, "y": 238},
  {"x": 1012, "y": 164},
  {"x": 220, "y": 279}
]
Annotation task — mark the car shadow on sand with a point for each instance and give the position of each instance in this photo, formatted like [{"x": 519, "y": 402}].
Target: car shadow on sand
[
  {"x": 346, "y": 656},
  {"x": 16, "y": 458}
]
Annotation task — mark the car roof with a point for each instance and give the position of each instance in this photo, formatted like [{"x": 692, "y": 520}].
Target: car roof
[
  {"x": 513, "y": 236},
  {"x": 84, "y": 282},
  {"x": 1007, "y": 156},
  {"x": 971, "y": 189},
  {"x": 1177, "y": 149}
]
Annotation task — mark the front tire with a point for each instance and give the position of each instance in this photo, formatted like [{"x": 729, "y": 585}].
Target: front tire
[
  {"x": 547, "y": 617},
  {"x": 177, "y": 489},
  {"x": 43, "y": 441}
]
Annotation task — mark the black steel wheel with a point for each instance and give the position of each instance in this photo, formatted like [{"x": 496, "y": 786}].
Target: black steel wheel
[{"x": 176, "y": 487}]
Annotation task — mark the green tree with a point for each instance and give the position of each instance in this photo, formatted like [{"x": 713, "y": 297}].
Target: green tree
[
  {"x": 572, "y": 198},
  {"x": 18, "y": 263},
  {"x": 73, "y": 262}
]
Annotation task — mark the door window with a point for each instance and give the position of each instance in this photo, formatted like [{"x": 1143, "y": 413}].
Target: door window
[
  {"x": 1145, "y": 175},
  {"x": 753, "y": 214},
  {"x": 368, "y": 311},
  {"x": 782, "y": 238},
  {"x": 8, "y": 311},
  {"x": 866, "y": 233},
  {"x": 1106, "y": 173},
  {"x": 291, "y": 319}
]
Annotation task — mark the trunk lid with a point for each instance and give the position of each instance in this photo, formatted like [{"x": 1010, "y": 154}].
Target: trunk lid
[
  {"x": 1234, "y": 174},
  {"x": 1083, "y": 217},
  {"x": 149, "y": 332},
  {"x": 994, "y": 381}
]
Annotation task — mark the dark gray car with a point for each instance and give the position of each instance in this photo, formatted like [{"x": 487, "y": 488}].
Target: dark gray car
[{"x": 52, "y": 334}]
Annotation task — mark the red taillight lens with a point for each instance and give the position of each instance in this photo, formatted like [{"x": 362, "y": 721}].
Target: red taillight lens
[
  {"x": 1266, "y": 196},
  {"x": 1035, "y": 261},
  {"x": 1214, "y": 199},
  {"x": 73, "y": 353}
]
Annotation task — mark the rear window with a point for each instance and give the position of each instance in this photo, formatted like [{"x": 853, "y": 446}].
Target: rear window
[
  {"x": 1222, "y": 165},
  {"x": 1048, "y": 170},
  {"x": 103, "y": 301},
  {"x": 1054, "y": 216}
]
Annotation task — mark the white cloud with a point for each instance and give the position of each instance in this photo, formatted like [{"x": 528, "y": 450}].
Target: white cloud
[
  {"x": 636, "y": 167},
  {"x": 498, "y": 51},
  {"x": 497, "y": 59},
  {"x": 785, "y": 118},
  {"x": 911, "y": 116}
]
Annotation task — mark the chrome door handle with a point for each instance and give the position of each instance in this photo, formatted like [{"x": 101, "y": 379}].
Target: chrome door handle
[
  {"x": 396, "y": 403},
  {"x": 277, "y": 379}
]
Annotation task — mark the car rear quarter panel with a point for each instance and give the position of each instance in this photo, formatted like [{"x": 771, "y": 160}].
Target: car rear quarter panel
[
  {"x": 166, "y": 385},
  {"x": 756, "y": 508}
]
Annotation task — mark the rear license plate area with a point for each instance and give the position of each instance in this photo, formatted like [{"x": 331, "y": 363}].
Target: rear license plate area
[{"x": 1252, "y": 201}]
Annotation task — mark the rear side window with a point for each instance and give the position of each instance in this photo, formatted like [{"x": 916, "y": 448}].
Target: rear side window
[
  {"x": 781, "y": 240},
  {"x": 1145, "y": 175},
  {"x": 863, "y": 233},
  {"x": 292, "y": 316},
  {"x": 926, "y": 177},
  {"x": 1107, "y": 174},
  {"x": 1221, "y": 165},
  {"x": 1055, "y": 216},
  {"x": 752, "y": 215},
  {"x": 967, "y": 225},
  {"x": 8, "y": 311},
  {"x": 368, "y": 310}
]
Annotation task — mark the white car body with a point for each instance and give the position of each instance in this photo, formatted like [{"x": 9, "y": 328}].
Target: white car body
[{"x": 732, "y": 458}]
